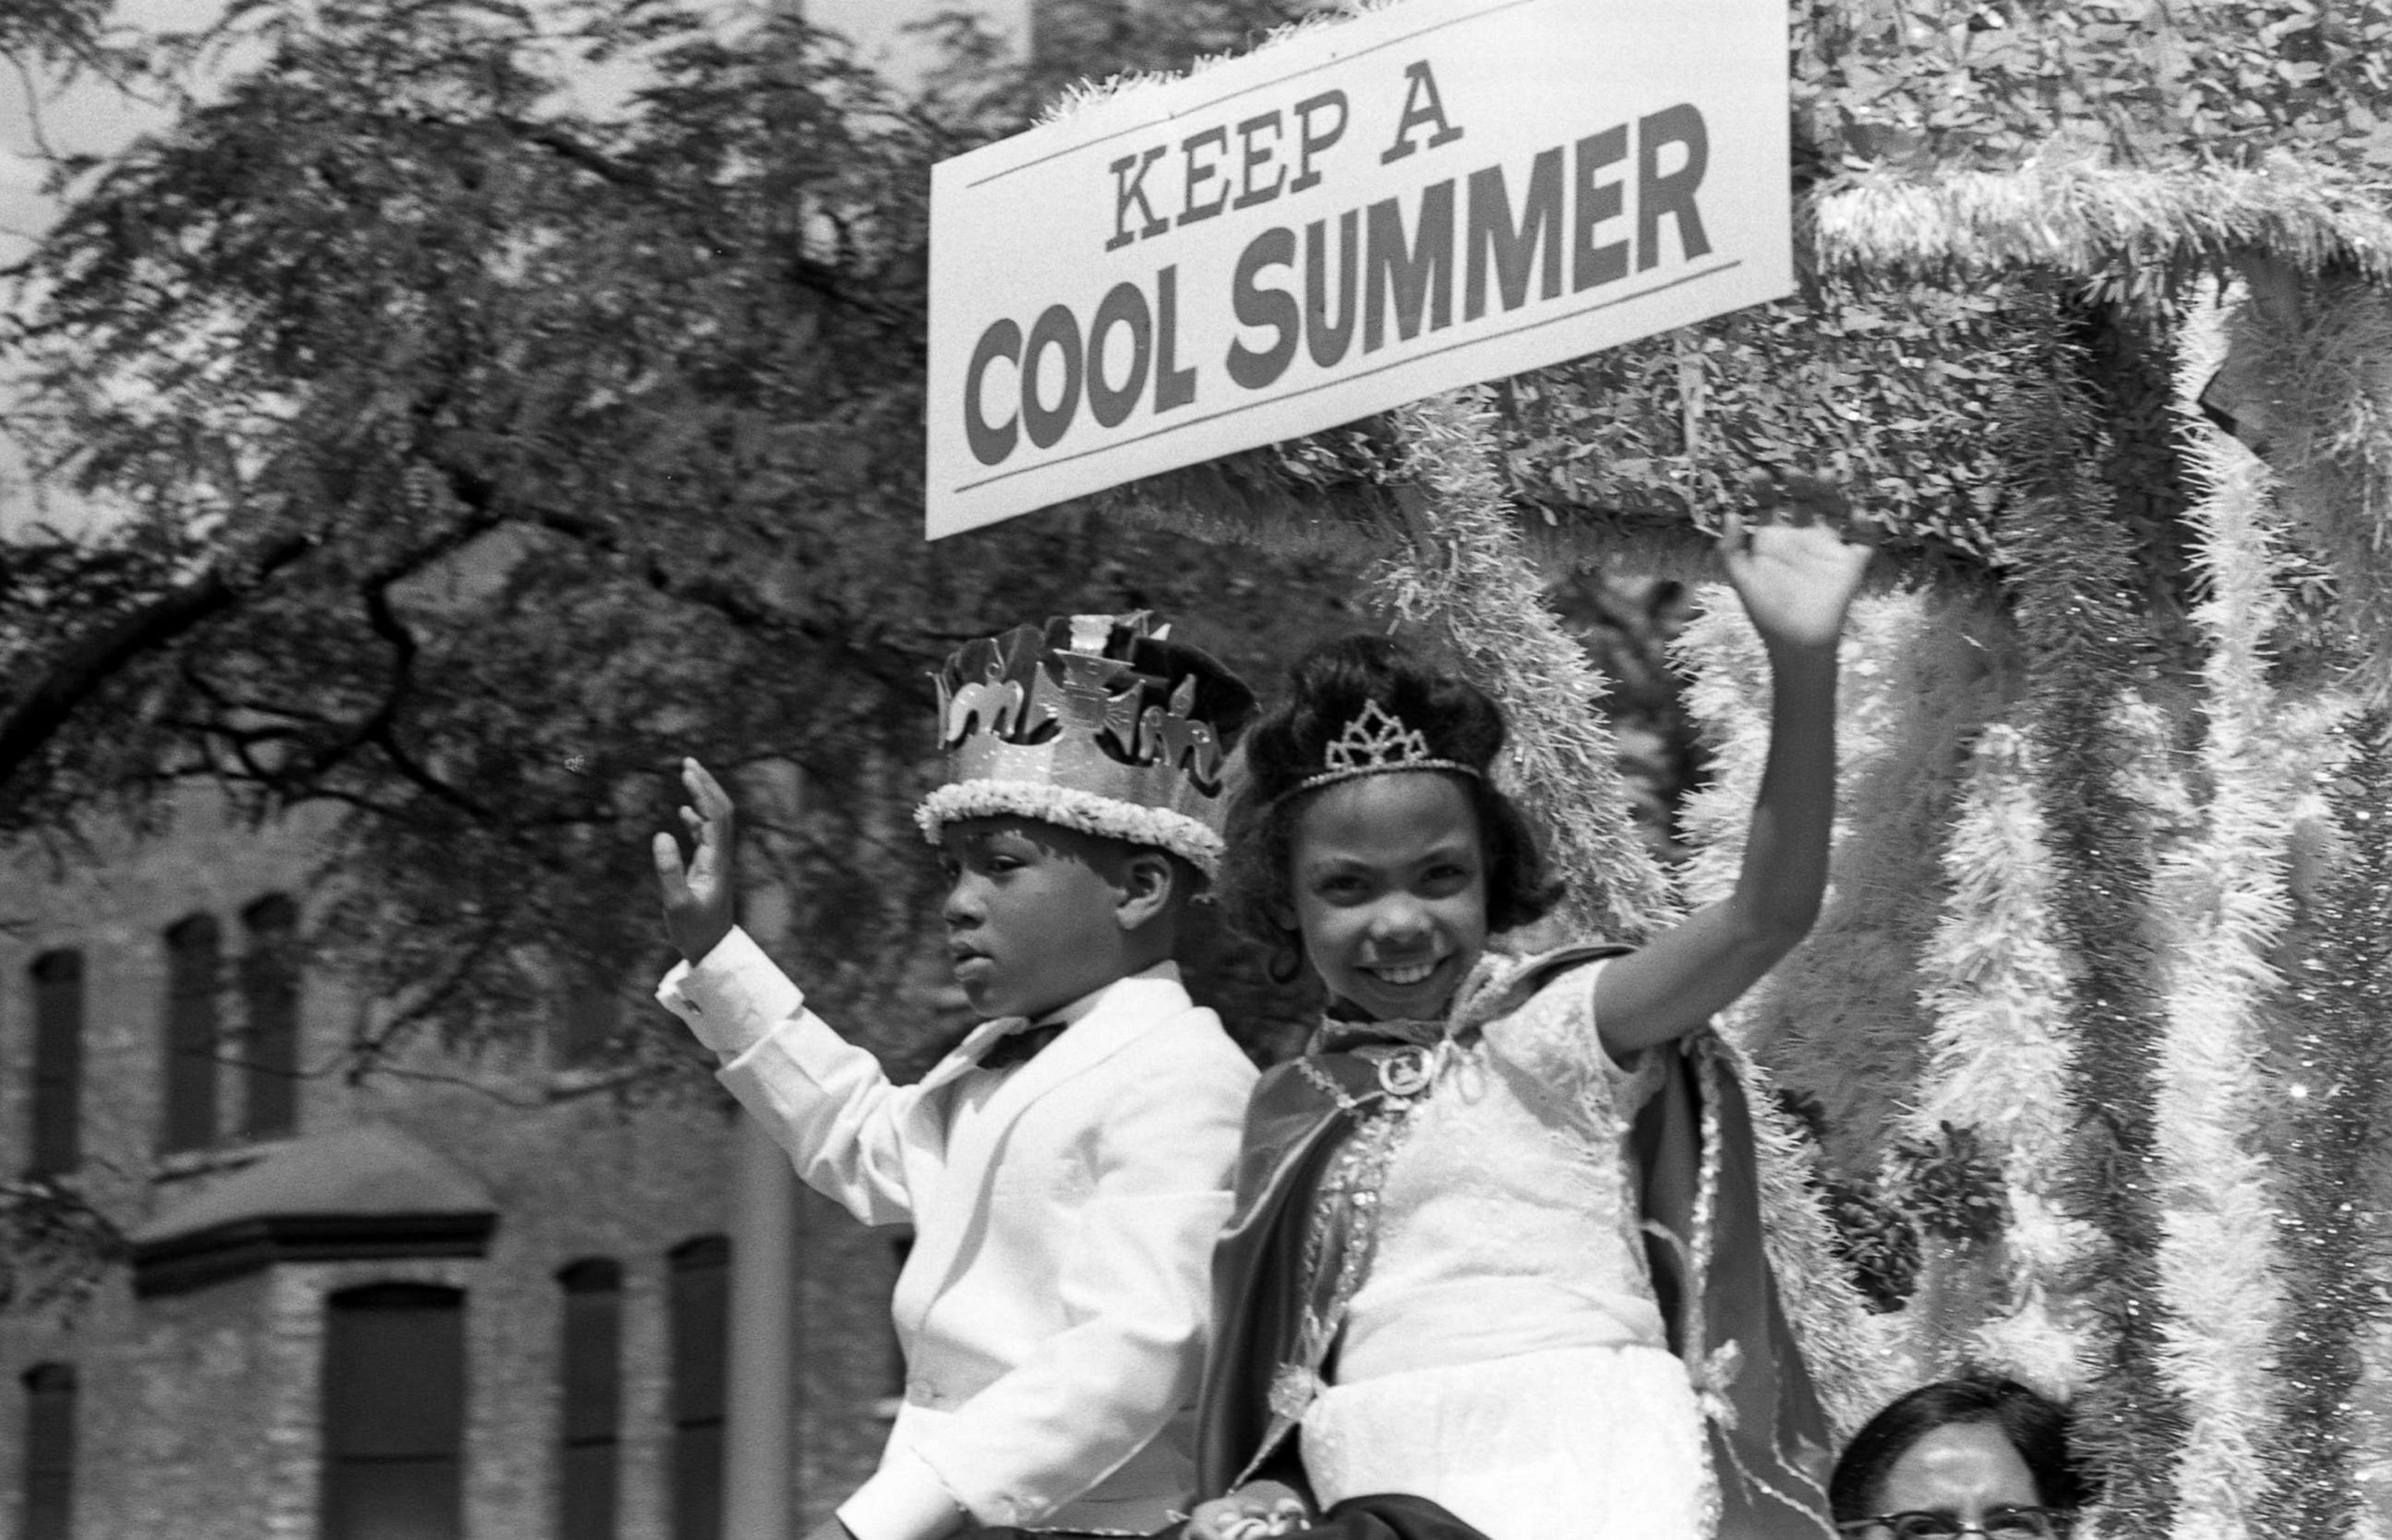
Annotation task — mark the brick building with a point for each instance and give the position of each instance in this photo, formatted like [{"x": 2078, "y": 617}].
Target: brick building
[{"x": 457, "y": 1300}]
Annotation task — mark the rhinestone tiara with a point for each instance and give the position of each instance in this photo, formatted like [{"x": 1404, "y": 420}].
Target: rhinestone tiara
[{"x": 1376, "y": 742}]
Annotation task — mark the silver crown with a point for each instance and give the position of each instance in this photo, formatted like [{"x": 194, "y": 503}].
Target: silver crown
[
  {"x": 1058, "y": 724},
  {"x": 1373, "y": 742}
]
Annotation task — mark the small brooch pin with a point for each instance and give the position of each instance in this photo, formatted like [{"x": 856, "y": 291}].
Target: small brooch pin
[{"x": 1404, "y": 1073}]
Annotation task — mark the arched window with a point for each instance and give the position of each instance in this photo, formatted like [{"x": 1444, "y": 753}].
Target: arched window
[
  {"x": 592, "y": 1375},
  {"x": 58, "y": 1064},
  {"x": 700, "y": 1304},
  {"x": 49, "y": 1480},
  {"x": 394, "y": 1414},
  {"x": 269, "y": 996},
  {"x": 193, "y": 974}
]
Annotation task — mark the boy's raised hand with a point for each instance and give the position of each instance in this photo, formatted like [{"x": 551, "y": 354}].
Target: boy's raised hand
[
  {"x": 1791, "y": 561},
  {"x": 699, "y": 901}
]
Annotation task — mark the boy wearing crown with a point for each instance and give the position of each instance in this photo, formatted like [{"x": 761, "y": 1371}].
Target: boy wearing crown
[{"x": 1066, "y": 1167}]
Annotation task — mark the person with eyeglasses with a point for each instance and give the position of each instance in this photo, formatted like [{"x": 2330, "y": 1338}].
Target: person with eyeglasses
[{"x": 1980, "y": 1455}]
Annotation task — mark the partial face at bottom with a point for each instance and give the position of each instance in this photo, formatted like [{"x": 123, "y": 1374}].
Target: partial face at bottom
[{"x": 1961, "y": 1479}]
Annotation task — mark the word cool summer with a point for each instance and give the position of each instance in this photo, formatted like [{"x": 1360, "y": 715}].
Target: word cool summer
[{"x": 1578, "y": 216}]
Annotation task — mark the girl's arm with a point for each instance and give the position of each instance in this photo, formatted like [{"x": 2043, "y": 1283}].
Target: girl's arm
[{"x": 1795, "y": 576}]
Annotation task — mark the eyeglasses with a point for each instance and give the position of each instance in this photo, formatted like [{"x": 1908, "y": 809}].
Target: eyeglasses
[{"x": 2002, "y": 1523}]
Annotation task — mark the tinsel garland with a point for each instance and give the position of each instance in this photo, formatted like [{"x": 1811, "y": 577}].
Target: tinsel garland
[
  {"x": 2327, "y": 383},
  {"x": 1836, "y": 1022},
  {"x": 2073, "y": 575},
  {"x": 1839, "y": 1020},
  {"x": 2223, "y": 893},
  {"x": 1853, "y": 1351},
  {"x": 1467, "y": 572},
  {"x": 1854, "y": 1356},
  {"x": 2091, "y": 217},
  {"x": 1465, "y": 575},
  {"x": 2335, "y": 1061},
  {"x": 1727, "y": 692},
  {"x": 1999, "y": 1058}
]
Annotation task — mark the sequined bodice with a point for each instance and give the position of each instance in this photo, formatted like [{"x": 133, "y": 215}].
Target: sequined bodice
[{"x": 1504, "y": 1221}]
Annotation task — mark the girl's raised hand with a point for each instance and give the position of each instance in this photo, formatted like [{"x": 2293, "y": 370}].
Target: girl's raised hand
[
  {"x": 699, "y": 899},
  {"x": 1791, "y": 561}
]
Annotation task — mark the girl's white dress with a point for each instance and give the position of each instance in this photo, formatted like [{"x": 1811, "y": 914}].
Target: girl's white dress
[{"x": 1504, "y": 1357}]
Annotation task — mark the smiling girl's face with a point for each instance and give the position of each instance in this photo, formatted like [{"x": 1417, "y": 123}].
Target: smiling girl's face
[{"x": 1390, "y": 890}]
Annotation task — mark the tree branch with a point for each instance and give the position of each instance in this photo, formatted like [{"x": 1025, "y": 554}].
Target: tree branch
[
  {"x": 605, "y": 167},
  {"x": 87, "y": 666},
  {"x": 811, "y": 276}
]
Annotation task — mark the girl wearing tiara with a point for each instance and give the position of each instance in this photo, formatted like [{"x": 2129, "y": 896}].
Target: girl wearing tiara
[{"x": 1496, "y": 1255}]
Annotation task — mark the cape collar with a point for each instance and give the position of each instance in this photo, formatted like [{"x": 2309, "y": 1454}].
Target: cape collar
[{"x": 1481, "y": 996}]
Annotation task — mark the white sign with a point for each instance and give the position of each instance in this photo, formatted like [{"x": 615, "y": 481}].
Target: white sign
[{"x": 1363, "y": 214}]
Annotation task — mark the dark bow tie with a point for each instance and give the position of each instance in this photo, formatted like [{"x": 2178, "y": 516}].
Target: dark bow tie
[{"x": 1021, "y": 1045}]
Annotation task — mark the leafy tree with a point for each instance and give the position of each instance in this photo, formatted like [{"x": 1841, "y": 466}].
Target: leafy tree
[
  {"x": 481, "y": 455},
  {"x": 483, "y": 452},
  {"x": 52, "y": 31}
]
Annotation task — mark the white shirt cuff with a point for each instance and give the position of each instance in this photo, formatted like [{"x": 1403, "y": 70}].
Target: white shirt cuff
[
  {"x": 904, "y": 1500},
  {"x": 734, "y": 998}
]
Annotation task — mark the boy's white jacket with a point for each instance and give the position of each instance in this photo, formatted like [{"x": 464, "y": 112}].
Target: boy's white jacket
[{"x": 1053, "y": 1309}]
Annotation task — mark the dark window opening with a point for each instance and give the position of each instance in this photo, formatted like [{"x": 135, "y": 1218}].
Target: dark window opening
[
  {"x": 700, "y": 1296},
  {"x": 269, "y": 995},
  {"x": 395, "y": 1414},
  {"x": 58, "y": 1064},
  {"x": 593, "y": 1386},
  {"x": 49, "y": 1510},
  {"x": 194, "y": 974}
]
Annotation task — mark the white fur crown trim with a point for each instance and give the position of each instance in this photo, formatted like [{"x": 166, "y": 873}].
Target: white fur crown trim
[{"x": 1067, "y": 808}]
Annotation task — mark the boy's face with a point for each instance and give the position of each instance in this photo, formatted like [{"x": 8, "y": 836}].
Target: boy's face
[{"x": 1032, "y": 913}]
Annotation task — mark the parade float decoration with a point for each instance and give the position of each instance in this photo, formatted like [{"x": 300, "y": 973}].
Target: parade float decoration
[{"x": 2083, "y": 1075}]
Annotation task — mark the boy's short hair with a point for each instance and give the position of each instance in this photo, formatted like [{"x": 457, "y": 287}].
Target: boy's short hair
[
  {"x": 1101, "y": 724},
  {"x": 1188, "y": 878}
]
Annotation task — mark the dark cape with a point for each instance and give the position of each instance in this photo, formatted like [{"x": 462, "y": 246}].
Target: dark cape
[{"x": 1767, "y": 1432}]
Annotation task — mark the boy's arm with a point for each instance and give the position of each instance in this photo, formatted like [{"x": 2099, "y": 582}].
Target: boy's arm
[
  {"x": 1136, "y": 1283},
  {"x": 823, "y": 1099},
  {"x": 1796, "y": 580}
]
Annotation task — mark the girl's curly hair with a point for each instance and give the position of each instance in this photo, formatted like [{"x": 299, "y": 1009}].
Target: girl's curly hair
[{"x": 1326, "y": 689}]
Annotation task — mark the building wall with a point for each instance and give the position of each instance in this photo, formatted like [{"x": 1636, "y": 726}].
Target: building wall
[{"x": 199, "y": 1412}]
